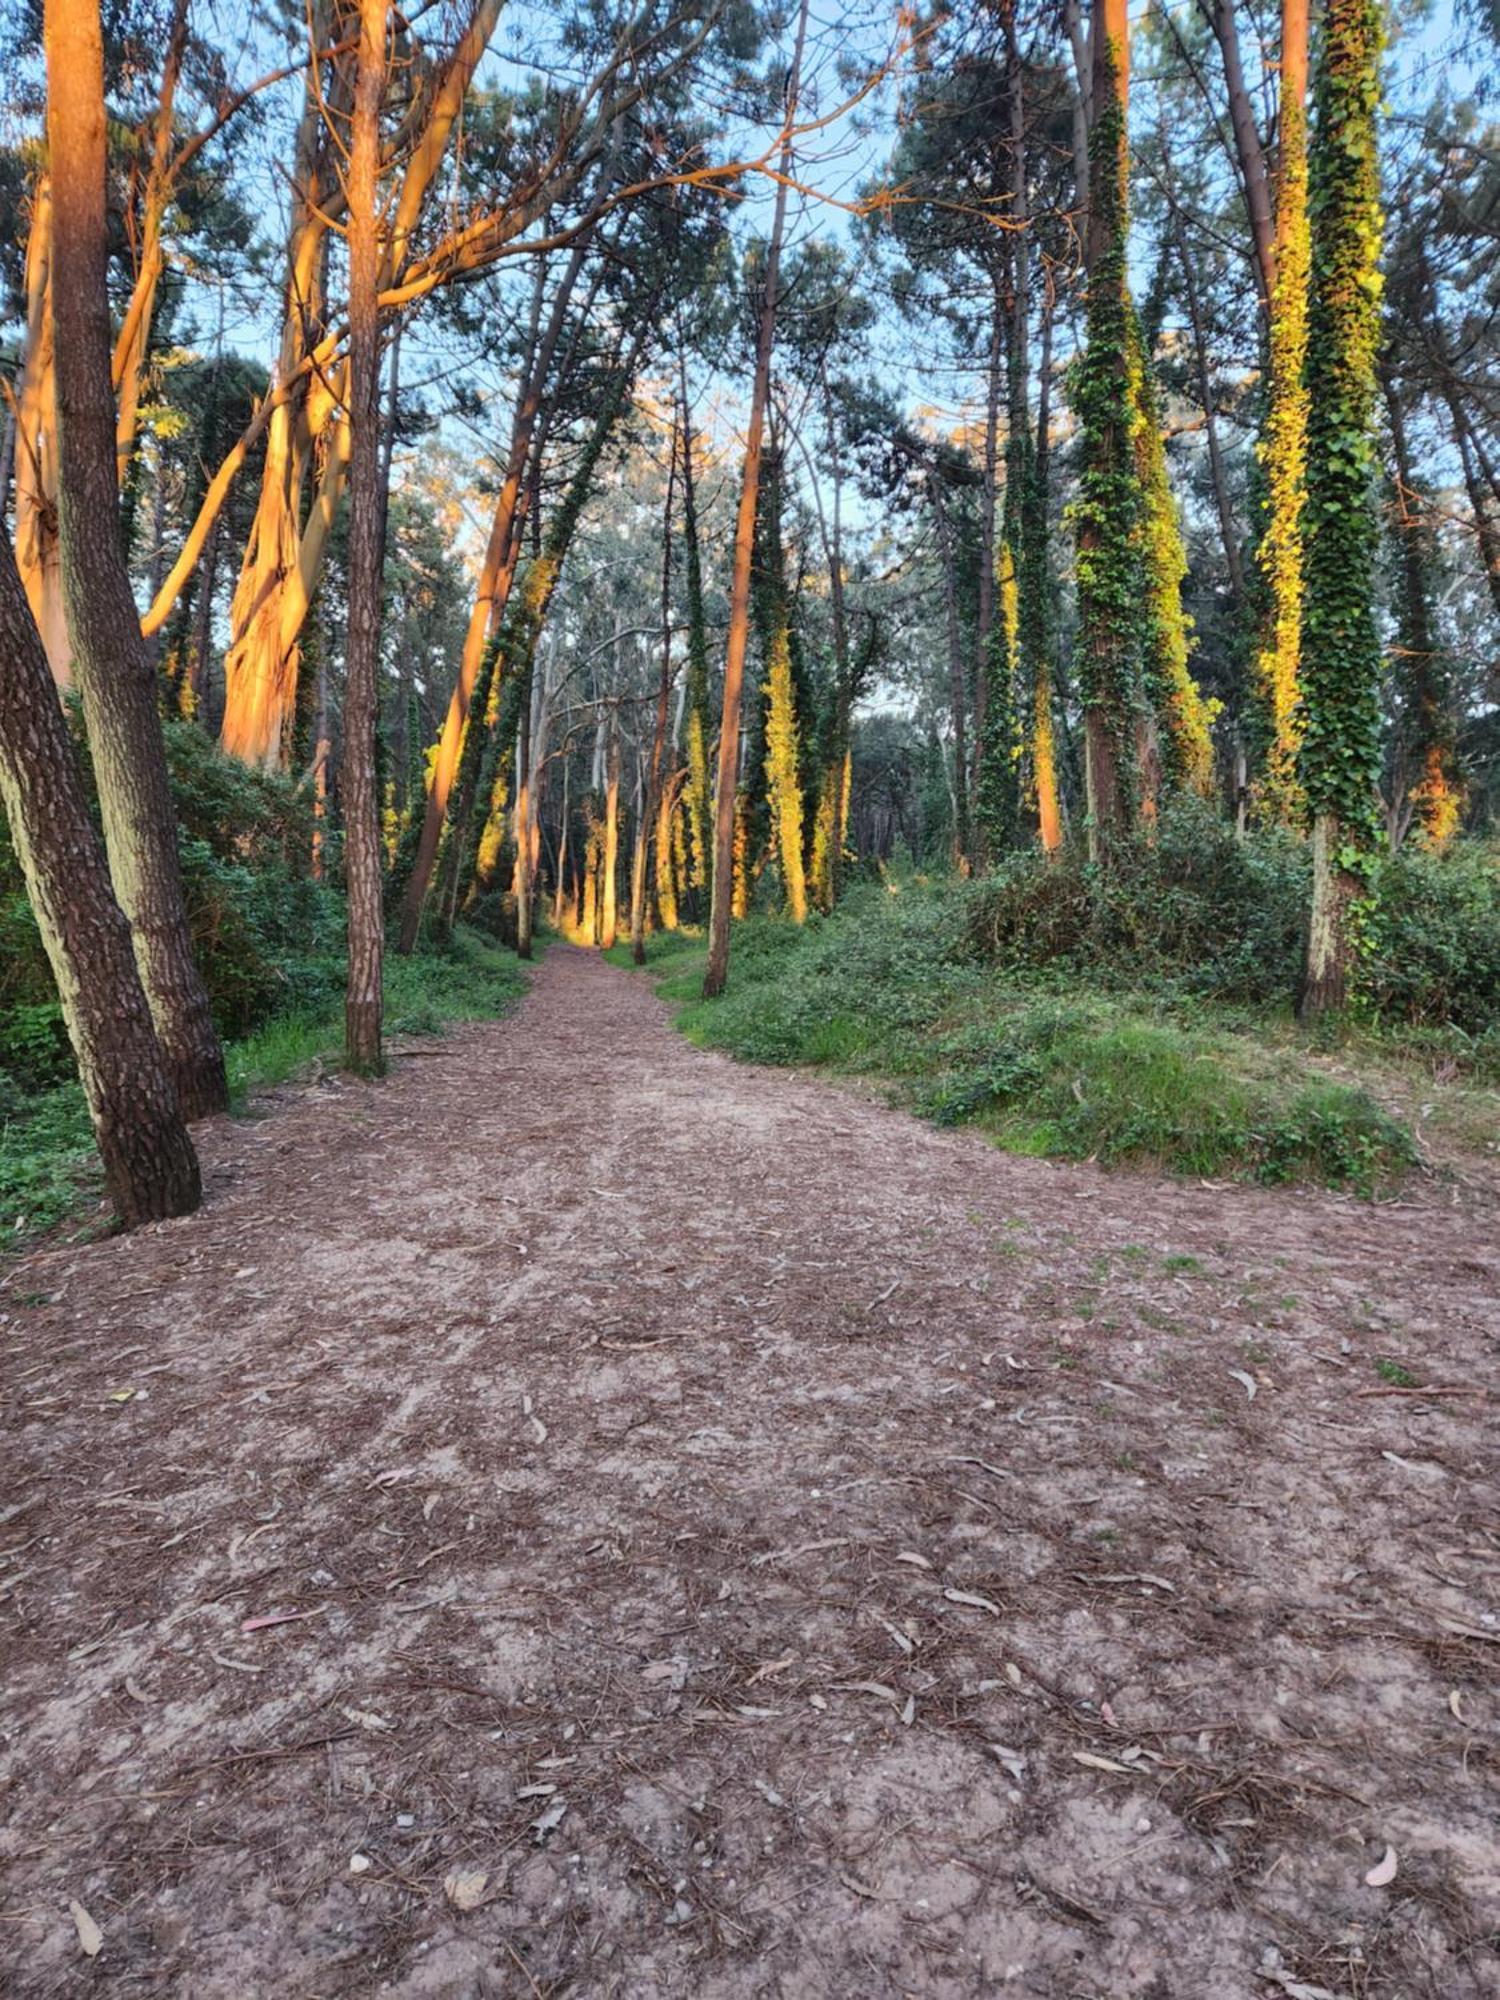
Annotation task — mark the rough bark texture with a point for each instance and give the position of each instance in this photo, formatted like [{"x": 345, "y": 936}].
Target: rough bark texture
[
  {"x": 149, "y": 1165},
  {"x": 362, "y": 870},
  {"x": 114, "y": 669}
]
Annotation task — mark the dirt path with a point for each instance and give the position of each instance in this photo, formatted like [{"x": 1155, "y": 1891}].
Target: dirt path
[{"x": 783, "y": 1549}]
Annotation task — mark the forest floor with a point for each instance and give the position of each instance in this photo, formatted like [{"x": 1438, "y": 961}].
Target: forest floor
[{"x": 586, "y": 1517}]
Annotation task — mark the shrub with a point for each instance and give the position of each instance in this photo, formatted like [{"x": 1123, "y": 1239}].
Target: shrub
[
  {"x": 1435, "y": 939},
  {"x": 1195, "y": 908}
]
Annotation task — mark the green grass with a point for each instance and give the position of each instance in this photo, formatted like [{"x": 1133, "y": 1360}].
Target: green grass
[
  {"x": 1046, "y": 1067},
  {"x": 48, "y": 1168}
]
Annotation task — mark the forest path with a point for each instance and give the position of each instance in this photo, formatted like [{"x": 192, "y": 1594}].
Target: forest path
[{"x": 916, "y": 1570}]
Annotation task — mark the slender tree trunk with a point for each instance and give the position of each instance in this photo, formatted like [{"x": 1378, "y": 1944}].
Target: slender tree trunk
[
  {"x": 150, "y": 1168},
  {"x": 115, "y": 671},
  {"x": 1428, "y": 779},
  {"x": 362, "y": 869},
  {"x": 1038, "y": 633},
  {"x": 496, "y": 577},
  {"x": 525, "y": 889},
  {"x": 957, "y": 701},
  {"x": 1251, "y": 156},
  {"x": 609, "y": 864},
  {"x": 1481, "y": 503},
  {"x": 698, "y": 796},
  {"x": 744, "y": 547},
  {"x": 650, "y": 813},
  {"x": 1227, "y": 535}
]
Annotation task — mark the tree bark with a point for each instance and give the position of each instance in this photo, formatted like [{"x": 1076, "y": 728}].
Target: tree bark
[
  {"x": 717, "y": 974},
  {"x": 957, "y": 699},
  {"x": 651, "y": 812},
  {"x": 609, "y": 864},
  {"x": 1252, "y": 159},
  {"x": 115, "y": 672},
  {"x": 362, "y": 869},
  {"x": 150, "y": 1167}
]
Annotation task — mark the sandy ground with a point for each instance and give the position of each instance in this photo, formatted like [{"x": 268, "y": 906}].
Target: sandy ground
[{"x": 728, "y": 1539}]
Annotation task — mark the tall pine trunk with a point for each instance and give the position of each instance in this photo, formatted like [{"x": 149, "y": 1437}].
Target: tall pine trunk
[
  {"x": 362, "y": 861},
  {"x": 115, "y": 672},
  {"x": 150, "y": 1168}
]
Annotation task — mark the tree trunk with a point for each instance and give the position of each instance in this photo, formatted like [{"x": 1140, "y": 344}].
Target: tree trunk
[
  {"x": 698, "y": 797},
  {"x": 609, "y": 862},
  {"x": 1109, "y": 500},
  {"x": 744, "y": 546},
  {"x": 1427, "y": 774},
  {"x": 1342, "y": 657},
  {"x": 651, "y": 812},
  {"x": 1251, "y": 156},
  {"x": 957, "y": 699},
  {"x": 1280, "y": 553},
  {"x": 115, "y": 671},
  {"x": 495, "y": 580},
  {"x": 1037, "y": 634},
  {"x": 37, "y": 553},
  {"x": 362, "y": 869},
  {"x": 150, "y": 1168}
]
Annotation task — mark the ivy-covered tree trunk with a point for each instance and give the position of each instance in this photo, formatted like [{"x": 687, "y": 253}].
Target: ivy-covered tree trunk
[
  {"x": 1339, "y": 762},
  {"x": 1036, "y": 613},
  {"x": 115, "y": 672},
  {"x": 958, "y": 702},
  {"x": 1107, "y": 510},
  {"x": 697, "y": 788},
  {"x": 1283, "y": 444},
  {"x": 1173, "y": 694}
]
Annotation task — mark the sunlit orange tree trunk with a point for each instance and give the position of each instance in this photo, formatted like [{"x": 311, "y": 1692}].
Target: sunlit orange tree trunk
[
  {"x": 717, "y": 972},
  {"x": 115, "y": 673}
]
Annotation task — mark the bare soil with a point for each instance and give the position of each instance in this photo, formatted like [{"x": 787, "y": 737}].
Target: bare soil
[{"x": 735, "y": 1540}]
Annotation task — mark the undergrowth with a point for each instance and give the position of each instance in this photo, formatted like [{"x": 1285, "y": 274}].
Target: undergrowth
[{"x": 1051, "y": 1057}]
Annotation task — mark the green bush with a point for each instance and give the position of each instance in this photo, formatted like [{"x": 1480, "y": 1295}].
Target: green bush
[
  {"x": 1435, "y": 939},
  {"x": 1195, "y": 908}
]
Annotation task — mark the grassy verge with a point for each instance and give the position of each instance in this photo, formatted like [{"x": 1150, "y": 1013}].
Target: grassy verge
[
  {"x": 48, "y": 1168},
  {"x": 1045, "y": 1066}
]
